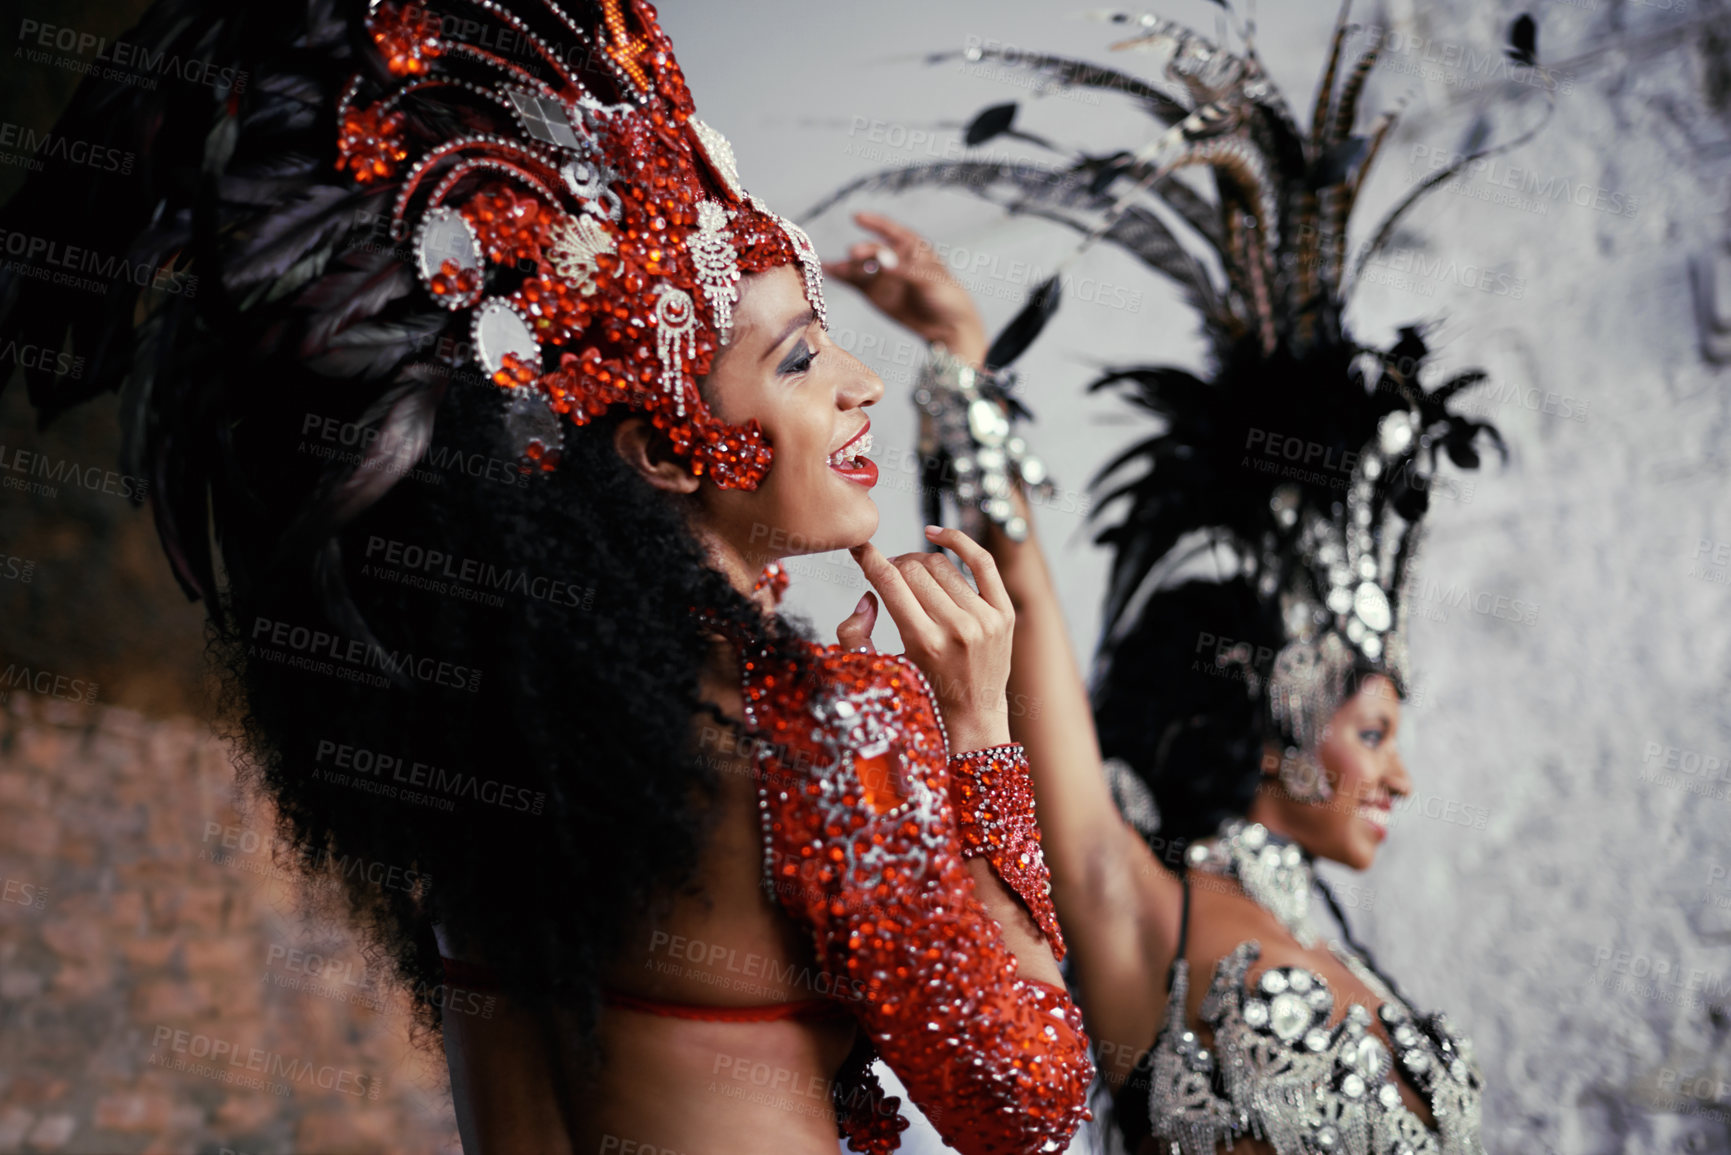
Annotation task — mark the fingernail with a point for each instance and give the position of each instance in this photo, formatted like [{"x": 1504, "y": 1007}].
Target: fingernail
[
  {"x": 934, "y": 530},
  {"x": 865, "y": 603}
]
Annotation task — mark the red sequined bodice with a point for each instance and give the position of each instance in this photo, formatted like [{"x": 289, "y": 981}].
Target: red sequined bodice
[{"x": 861, "y": 846}]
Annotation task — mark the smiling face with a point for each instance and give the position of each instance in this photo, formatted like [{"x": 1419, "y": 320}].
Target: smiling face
[
  {"x": 810, "y": 397},
  {"x": 1365, "y": 771}
]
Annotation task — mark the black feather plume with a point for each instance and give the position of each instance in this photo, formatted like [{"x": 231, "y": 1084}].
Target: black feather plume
[{"x": 1026, "y": 324}]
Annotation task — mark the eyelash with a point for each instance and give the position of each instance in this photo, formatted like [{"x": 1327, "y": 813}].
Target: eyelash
[
  {"x": 795, "y": 365},
  {"x": 1372, "y": 738}
]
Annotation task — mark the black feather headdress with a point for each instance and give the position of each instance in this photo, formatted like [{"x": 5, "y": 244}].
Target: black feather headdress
[
  {"x": 1301, "y": 464},
  {"x": 229, "y": 262}
]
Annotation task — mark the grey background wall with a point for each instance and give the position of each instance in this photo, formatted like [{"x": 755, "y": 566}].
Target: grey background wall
[{"x": 1561, "y": 882}]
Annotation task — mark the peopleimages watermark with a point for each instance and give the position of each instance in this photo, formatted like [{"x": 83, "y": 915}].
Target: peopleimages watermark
[
  {"x": 33, "y": 472},
  {"x": 321, "y": 975},
  {"x": 1457, "y": 64},
  {"x": 46, "y": 684},
  {"x": 35, "y": 145},
  {"x": 1298, "y": 458},
  {"x": 1693, "y": 1094},
  {"x": 46, "y": 259},
  {"x": 1433, "y": 599},
  {"x": 1002, "y": 67},
  {"x": 1658, "y": 977},
  {"x": 383, "y": 770},
  {"x": 369, "y": 663},
  {"x": 1409, "y": 269},
  {"x": 745, "y": 971},
  {"x": 1717, "y": 892},
  {"x": 989, "y": 275},
  {"x": 17, "y": 891},
  {"x": 612, "y": 1144},
  {"x": 470, "y": 578},
  {"x": 1495, "y": 180},
  {"x": 799, "y": 1092},
  {"x": 332, "y": 438},
  {"x": 316, "y": 864},
  {"x": 497, "y": 37},
  {"x": 1712, "y": 562},
  {"x": 230, "y": 1062},
  {"x": 1681, "y": 768},
  {"x": 27, "y": 355},
  {"x": 119, "y": 60}
]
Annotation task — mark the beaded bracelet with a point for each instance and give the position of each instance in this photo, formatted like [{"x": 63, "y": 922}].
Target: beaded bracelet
[
  {"x": 993, "y": 796},
  {"x": 968, "y": 447}
]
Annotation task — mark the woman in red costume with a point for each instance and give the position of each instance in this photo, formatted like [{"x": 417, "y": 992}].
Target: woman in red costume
[{"x": 500, "y": 392}]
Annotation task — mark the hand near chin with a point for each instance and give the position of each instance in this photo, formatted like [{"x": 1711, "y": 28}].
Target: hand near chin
[
  {"x": 902, "y": 275},
  {"x": 959, "y": 638}
]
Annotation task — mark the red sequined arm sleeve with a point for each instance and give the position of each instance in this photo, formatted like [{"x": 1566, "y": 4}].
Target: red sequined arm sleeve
[
  {"x": 861, "y": 846},
  {"x": 993, "y": 795}
]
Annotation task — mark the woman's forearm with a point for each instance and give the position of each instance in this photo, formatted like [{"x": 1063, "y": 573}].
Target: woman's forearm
[{"x": 1051, "y": 716}]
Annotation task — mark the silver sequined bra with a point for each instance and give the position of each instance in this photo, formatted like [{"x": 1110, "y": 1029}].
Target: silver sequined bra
[{"x": 1280, "y": 1073}]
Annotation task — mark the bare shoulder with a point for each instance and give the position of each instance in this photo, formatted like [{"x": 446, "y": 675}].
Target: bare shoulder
[{"x": 1224, "y": 918}]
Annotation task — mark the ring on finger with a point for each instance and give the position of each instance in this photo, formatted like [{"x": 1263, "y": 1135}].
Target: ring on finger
[{"x": 879, "y": 261}]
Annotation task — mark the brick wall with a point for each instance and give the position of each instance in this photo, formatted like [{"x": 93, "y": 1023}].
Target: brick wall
[{"x": 164, "y": 986}]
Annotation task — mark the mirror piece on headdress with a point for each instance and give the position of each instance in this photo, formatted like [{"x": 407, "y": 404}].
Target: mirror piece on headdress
[
  {"x": 1394, "y": 433},
  {"x": 448, "y": 258},
  {"x": 547, "y": 120},
  {"x": 1370, "y": 604},
  {"x": 499, "y": 330}
]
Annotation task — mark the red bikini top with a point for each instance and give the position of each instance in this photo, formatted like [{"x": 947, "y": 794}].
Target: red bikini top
[{"x": 862, "y": 847}]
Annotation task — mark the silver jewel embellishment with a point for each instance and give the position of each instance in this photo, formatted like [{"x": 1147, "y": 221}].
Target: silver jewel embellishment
[
  {"x": 719, "y": 152},
  {"x": 965, "y": 426},
  {"x": 1277, "y": 1070},
  {"x": 1279, "y": 883},
  {"x": 675, "y": 334},
  {"x": 717, "y": 262},
  {"x": 590, "y": 181},
  {"x": 575, "y": 243},
  {"x": 809, "y": 262}
]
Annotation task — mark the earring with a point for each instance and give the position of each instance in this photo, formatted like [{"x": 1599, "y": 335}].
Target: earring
[{"x": 1302, "y": 776}]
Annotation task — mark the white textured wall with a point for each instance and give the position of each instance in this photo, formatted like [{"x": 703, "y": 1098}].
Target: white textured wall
[{"x": 1540, "y": 881}]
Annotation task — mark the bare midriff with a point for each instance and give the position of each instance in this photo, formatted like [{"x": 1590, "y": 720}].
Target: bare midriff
[{"x": 668, "y": 1080}]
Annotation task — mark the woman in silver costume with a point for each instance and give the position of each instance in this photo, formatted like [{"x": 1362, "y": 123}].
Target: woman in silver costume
[{"x": 1248, "y": 696}]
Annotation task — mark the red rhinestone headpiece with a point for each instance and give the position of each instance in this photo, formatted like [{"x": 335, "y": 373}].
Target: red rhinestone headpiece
[{"x": 591, "y": 225}]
